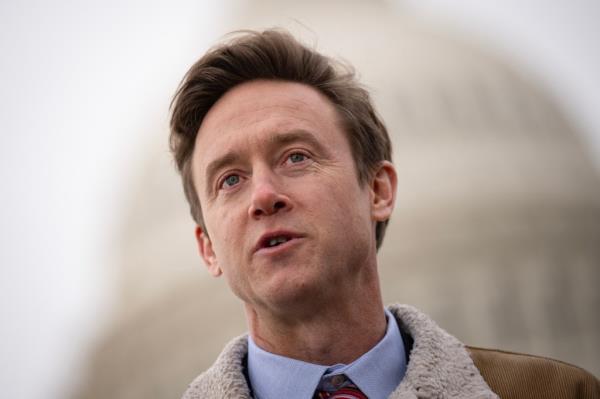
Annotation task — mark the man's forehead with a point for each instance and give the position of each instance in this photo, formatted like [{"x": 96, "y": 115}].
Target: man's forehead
[
  {"x": 259, "y": 98},
  {"x": 263, "y": 110}
]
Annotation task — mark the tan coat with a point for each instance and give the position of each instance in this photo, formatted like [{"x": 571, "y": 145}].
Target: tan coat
[
  {"x": 518, "y": 376},
  {"x": 440, "y": 366}
]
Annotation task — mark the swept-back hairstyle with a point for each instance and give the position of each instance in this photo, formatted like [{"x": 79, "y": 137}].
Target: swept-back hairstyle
[{"x": 274, "y": 55}]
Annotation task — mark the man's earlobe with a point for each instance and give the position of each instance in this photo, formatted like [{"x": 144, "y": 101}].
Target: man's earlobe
[
  {"x": 383, "y": 191},
  {"x": 206, "y": 252}
]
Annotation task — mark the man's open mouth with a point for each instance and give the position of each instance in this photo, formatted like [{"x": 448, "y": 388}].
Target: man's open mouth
[{"x": 275, "y": 239}]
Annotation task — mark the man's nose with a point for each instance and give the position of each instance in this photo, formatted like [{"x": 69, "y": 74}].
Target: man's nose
[{"x": 267, "y": 198}]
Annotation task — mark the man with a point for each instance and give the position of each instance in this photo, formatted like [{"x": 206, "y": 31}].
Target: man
[{"x": 287, "y": 169}]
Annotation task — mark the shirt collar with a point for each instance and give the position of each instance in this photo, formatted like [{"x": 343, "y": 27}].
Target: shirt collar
[
  {"x": 376, "y": 373},
  {"x": 275, "y": 376}
]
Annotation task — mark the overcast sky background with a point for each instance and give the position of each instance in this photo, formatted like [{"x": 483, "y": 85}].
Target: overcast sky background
[{"x": 86, "y": 87}]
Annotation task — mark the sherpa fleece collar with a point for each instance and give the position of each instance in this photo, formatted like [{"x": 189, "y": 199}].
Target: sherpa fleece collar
[{"x": 439, "y": 366}]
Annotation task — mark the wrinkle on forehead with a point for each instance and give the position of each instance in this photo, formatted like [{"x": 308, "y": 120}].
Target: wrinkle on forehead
[{"x": 260, "y": 132}]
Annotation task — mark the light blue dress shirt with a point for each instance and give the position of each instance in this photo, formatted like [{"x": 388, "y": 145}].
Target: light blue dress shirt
[{"x": 376, "y": 373}]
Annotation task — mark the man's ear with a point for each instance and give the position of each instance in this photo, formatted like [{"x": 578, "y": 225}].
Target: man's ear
[
  {"x": 207, "y": 253},
  {"x": 383, "y": 191}
]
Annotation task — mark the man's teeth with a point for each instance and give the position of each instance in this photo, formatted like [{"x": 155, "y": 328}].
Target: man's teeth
[{"x": 276, "y": 241}]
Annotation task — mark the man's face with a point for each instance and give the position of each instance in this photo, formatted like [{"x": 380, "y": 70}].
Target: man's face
[{"x": 285, "y": 214}]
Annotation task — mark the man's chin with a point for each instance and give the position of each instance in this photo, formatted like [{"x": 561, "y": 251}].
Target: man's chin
[{"x": 290, "y": 295}]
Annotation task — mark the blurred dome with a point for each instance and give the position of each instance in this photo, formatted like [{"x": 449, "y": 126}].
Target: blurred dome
[{"x": 496, "y": 233}]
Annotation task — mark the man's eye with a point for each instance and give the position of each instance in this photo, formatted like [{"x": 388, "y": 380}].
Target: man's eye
[
  {"x": 297, "y": 157},
  {"x": 230, "y": 181}
]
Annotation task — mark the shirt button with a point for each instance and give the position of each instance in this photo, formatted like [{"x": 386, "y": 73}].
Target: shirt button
[{"x": 337, "y": 380}]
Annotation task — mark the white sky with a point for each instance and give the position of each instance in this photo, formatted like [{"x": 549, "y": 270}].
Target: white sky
[{"x": 84, "y": 83}]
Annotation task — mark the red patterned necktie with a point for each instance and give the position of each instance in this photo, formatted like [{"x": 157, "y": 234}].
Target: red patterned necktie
[{"x": 338, "y": 387}]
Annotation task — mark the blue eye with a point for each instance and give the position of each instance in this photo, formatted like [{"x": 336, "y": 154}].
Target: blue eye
[
  {"x": 231, "y": 180},
  {"x": 297, "y": 157}
]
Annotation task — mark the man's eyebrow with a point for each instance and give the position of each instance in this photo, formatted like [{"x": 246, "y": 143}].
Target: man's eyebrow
[
  {"x": 294, "y": 136},
  {"x": 217, "y": 164}
]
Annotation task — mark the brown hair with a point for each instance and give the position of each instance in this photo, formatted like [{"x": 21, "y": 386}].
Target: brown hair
[{"x": 275, "y": 55}]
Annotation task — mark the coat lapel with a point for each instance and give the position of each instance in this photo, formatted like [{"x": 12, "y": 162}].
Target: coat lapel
[{"x": 439, "y": 364}]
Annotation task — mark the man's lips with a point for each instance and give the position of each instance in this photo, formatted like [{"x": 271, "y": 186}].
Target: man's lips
[{"x": 275, "y": 238}]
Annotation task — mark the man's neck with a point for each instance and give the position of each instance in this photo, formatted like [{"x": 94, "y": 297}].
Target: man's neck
[{"x": 337, "y": 330}]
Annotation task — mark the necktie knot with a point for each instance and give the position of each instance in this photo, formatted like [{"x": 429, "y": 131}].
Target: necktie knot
[{"x": 338, "y": 386}]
